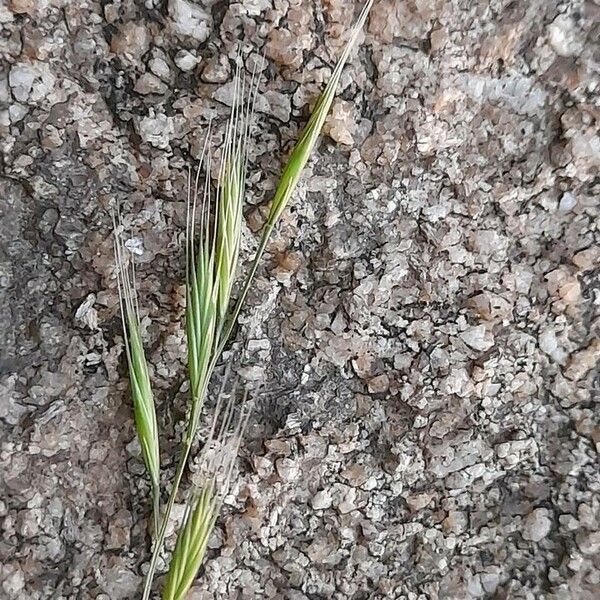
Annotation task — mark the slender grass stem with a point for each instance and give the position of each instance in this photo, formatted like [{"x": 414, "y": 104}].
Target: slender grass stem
[{"x": 156, "y": 508}]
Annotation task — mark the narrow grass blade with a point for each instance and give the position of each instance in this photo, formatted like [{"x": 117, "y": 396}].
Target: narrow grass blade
[{"x": 141, "y": 391}]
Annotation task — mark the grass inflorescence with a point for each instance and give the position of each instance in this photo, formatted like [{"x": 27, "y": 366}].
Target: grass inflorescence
[
  {"x": 144, "y": 410},
  {"x": 217, "y": 462},
  {"x": 213, "y": 233}
]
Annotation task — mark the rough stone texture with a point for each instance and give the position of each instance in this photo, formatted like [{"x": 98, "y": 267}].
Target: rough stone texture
[{"x": 425, "y": 324}]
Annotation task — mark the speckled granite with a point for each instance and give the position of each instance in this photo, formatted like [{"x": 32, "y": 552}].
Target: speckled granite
[{"x": 423, "y": 340}]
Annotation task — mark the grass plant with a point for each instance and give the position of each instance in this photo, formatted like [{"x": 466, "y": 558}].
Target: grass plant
[{"x": 213, "y": 232}]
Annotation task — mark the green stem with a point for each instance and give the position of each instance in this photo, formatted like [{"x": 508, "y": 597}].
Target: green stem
[{"x": 156, "y": 506}]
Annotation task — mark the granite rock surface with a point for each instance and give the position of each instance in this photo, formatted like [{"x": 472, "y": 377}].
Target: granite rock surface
[{"x": 422, "y": 342}]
